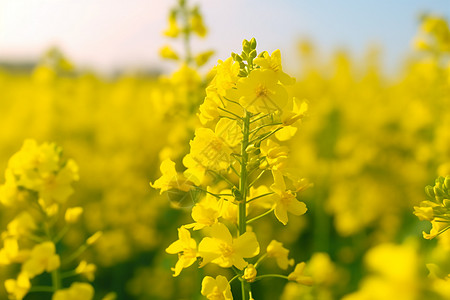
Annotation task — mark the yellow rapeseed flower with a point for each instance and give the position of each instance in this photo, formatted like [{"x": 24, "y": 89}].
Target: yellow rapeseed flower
[
  {"x": 171, "y": 179},
  {"x": 260, "y": 92},
  {"x": 186, "y": 248},
  {"x": 222, "y": 249},
  {"x": 167, "y": 52},
  {"x": 285, "y": 200},
  {"x": 297, "y": 275},
  {"x": 273, "y": 62},
  {"x": 216, "y": 289},
  {"x": 276, "y": 250},
  {"x": 205, "y": 213},
  {"x": 18, "y": 288},
  {"x": 42, "y": 258}
]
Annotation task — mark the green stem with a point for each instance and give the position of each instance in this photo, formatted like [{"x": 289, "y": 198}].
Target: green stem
[
  {"x": 260, "y": 216},
  {"x": 186, "y": 34},
  {"x": 260, "y": 196},
  {"x": 271, "y": 276},
  {"x": 260, "y": 260},
  {"x": 235, "y": 277},
  {"x": 76, "y": 254},
  {"x": 243, "y": 189},
  {"x": 56, "y": 280},
  {"x": 48, "y": 289}
]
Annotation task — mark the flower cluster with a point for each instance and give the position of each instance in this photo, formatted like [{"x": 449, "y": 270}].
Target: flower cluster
[
  {"x": 247, "y": 112},
  {"x": 184, "y": 22},
  {"x": 437, "y": 209},
  {"x": 37, "y": 186}
]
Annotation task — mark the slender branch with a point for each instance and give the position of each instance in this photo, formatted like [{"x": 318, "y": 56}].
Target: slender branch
[
  {"x": 261, "y": 215},
  {"x": 230, "y": 112},
  {"x": 260, "y": 260},
  {"x": 223, "y": 177},
  {"x": 271, "y": 276},
  {"x": 257, "y": 178},
  {"x": 260, "y": 196}
]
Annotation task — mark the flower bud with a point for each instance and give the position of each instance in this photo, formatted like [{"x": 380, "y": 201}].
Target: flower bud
[{"x": 250, "y": 273}]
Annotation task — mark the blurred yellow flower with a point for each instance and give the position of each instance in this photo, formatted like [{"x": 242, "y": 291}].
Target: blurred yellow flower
[
  {"x": 297, "y": 275},
  {"x": 216, "y": 289},
  {"x": 167, "y": 52},
  {"x": 86, "y": 269},
  {"x": 73, "y": 214},
  {"x": 42, "y": 258},
  {"x": 18, "y": 288},
  {"x": 170, "y": 178},
  {"x": 10, "y": 252},
  {"x": 76, "y": 291},
  {"x": 276, "y": 250},
  {"x": 173, "y": 31}
]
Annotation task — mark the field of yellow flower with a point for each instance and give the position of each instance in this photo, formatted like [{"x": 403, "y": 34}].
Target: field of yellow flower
[{"x": 243, "y": 183}]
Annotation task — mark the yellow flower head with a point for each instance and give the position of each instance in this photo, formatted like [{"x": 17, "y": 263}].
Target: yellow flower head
[
  {"x": 168, "y": 53},
  {"x": 21, "y": 225},
  {"x": 186, "y": 247},
  {"x": 276, "y": 155},
  {"x": 197, "y": 25},
  {"x": 73, "y": 214},
  {"x": 42, "y": 258},
  {"x": 174, "y": 30},
  {"x": 212, "y": 149},
  {"x": 226, "y": 75},
  {"x": 87, "y": 270},
  {"x": 424, "y": 212},
  {"x": 298, "y": 276},
  {"x": 9, "y": 192},
  {"x": 205, "y": 213},
  {"x": 40, "y": 168},
  {"x": 203, "y": 57},
  {"x": 225, "y": 251},
  {"x": 275, "y": 249},
  {"x": 285, "y": 200},
  {"x": 273, "y": 62},
  {"x": 437, "y": 228},
  {"x": 18, "y": 288},
  {"x": 77, "y": 291},
  {"x": 297, "y": 110},
  {"x": 260, "y": 92},
  {"x": 171, "y": 179},
  {"x": 216, "y": 289},
  {"x": 10, "y": 252}
]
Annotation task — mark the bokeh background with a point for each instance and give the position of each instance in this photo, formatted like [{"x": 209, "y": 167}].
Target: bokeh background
[{"x": 87, "y": 75}]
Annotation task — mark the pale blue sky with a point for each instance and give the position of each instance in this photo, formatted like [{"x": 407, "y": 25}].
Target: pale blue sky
[{"x": 106, "y": 34}]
